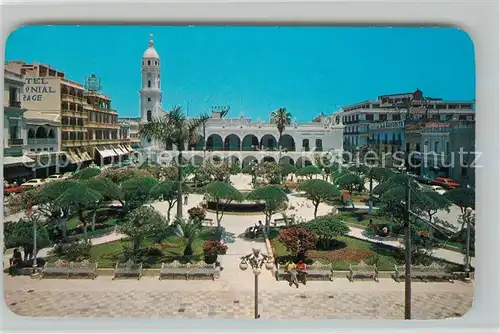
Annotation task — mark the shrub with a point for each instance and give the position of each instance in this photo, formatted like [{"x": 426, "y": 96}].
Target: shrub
[
  {"x": 298, "y": 240},
  {"x": 327, "y": 228},
  {"x": 214, "y": 247},
  {"x": 75, "y": 251},
  {"x": 197, "y": 212}
]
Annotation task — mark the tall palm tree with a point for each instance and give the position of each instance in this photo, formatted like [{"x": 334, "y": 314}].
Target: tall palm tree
[
  {"x": 281, "y": 118},
  {"x": 174, "y": 128}
]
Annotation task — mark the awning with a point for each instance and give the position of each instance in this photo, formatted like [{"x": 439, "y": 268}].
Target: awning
[
  {"x": 129, "y": 148},
  {"x": 105, "y": 153},
  {"x": 124, "y": 149},
  {"x": 73, "y": 157},
  {"x": 119, "y": 151},
  {"x": 84, "y": 156},
  {"x": 17, "y": 161}
]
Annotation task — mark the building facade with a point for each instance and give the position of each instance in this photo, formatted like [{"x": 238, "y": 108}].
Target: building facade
[
  {"x": 389, "y": 125},
  {"x": 87, "y": 125},
  {"x": 16, "y": 164}
]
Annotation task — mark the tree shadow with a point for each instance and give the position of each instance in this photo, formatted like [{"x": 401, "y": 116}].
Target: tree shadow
[{"x": 229, "y": 237}]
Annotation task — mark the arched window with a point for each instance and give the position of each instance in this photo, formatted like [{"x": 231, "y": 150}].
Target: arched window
[
  {"x": 149, "y": 116},
  {"x": 31, "y": 133},
  {"x": 51, "y": 134},
  {"x": 40, "y": 132},
  {"x": 319, "y": 145},
  {"x": 149, "y": 83},
  {"x": 149, "y": 62},
  {"x": 149, "y": 99},
  {"x": 305, "y": 144}
]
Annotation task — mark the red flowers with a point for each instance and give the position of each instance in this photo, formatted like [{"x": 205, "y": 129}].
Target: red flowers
[{"x": 214, "y": 247}]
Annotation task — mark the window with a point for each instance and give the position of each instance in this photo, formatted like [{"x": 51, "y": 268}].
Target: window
[
  {"x": 149, "y": 62},
  {"x": 417, "y": 147},
  {"x": 149, "y": 116},
  {"x": 149, "y": 99},
  {"x": 32, "y": 150},
  {"x": 305, "y": 144},
  {"x": 39, "y": 150},
  {"x": 319, "y": 145},
  {"x": 45, "y": 149},
  {"x": 51, "y": 149},
  {"x": 149, "y": 83},
  {"x": 436, "y": 146}
]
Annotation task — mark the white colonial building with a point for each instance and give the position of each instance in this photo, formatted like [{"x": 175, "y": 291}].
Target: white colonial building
[{"x": 239, "y": 139}]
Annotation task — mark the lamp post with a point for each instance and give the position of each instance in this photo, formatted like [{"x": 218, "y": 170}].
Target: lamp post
[{"x": 256, "y": 260}]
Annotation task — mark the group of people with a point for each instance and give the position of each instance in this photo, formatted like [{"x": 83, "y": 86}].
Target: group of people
[
  {"x": 255, "y": 230},
  {"x": 295, "y": 270},
  {"x": 16, "y": 261}
]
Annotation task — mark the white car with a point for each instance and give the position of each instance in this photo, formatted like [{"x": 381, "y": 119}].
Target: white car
[
  {"x": 55, "y": 177},
  {"x": 67, "y": 175},
  {"x": 438, "y": 189},
  {"x": 33, "y": 183}
]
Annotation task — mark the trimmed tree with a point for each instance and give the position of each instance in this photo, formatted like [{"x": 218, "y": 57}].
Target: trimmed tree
[
  {"x": 274, "y": 198},
  {"x": 287, "y": 169},
  {"x": 349, "y": 182},
  {"x": 308, "y": 171},
  {"x": 78, "y": 199},
  {"x": 20, "y": 234},
  {"x": 319, "y": 191},
  {"x": 86, "y": 173},
  {"x": 136, "y": 192},
  {"x": 167, "y": 190},
  {"x": 222, "y": 193},
  {"x": 327, "y": 228},
  {"x": 298, "y": 240},
  {"x": 142, "y": 223}
]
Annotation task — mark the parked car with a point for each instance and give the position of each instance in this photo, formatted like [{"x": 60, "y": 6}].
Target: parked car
[
  {"x": 67, "y": 175},
  {"x": 445, "y": 182},
  {"x": 55, "y": 177},
  {"x": 12, "y": 189},
  {"x": 440, "y": 190},
  {"x": 33, "y": 183}
]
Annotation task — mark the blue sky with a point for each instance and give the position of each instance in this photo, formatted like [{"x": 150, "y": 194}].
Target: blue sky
[{"x": 255, "y": 70}]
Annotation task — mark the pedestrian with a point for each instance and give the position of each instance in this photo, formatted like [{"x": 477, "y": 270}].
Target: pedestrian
[
  {"x": 291, "y": 268},
  {"x": 185, "y": 199}
]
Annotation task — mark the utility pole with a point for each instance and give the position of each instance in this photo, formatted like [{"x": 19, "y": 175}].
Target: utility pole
[{"x": 408, "y": 253}]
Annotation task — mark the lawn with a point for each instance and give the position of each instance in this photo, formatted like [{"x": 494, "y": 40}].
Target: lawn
[
  {"x": 152, "y": 253},
  {"x": 348, "y": 251},
  {"x": 361, "y": 217}
]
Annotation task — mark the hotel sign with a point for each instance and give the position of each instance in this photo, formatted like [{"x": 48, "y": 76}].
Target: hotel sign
[
  {"x": 36, "y": 88},
  {"x": 386, "y": 125}
]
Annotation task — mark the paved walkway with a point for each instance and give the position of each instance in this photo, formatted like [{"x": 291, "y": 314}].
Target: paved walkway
[{"x": 150, "y": 297}]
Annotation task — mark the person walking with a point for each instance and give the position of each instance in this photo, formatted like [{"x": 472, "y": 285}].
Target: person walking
[
  {"x": 291, "y": 268},
  {"x": 185, "y": 199}
]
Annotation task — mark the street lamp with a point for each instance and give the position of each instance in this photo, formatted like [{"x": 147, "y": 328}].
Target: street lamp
[
  {"x": 254, "y": 170},
  {"x": 256, "y": 260},
  {"x": 467, "y": 217}
]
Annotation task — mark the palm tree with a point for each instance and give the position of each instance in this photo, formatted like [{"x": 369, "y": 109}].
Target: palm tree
[
  {"x": 281, "y": 118},
  {"x": 188, "y": 231},
  {"x": 174, "y": 128}
]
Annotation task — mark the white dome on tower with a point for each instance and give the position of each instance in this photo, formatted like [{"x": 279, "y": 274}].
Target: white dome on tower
[{"x": 151, "y": 52}]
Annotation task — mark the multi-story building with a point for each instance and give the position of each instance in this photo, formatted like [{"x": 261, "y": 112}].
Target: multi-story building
[
  {"x": 385, "y": 125},
  {"x": 129, "y": 132},
  {"x": 16, "y": 165},
  {"x": 88, "y": 127}
]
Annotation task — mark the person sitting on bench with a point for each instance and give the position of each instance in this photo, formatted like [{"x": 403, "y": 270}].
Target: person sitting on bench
[{"x": 15, "y": 261}]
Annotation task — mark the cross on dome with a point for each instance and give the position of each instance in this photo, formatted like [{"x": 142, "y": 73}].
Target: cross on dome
[{"x": 151, "y": 42}]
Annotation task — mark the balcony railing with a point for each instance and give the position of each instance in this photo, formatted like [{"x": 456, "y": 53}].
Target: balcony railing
[
  {"x": 15, "y": 104},
  {"x": 16, "y": 142},
  {"x": 42, "y": 141}
]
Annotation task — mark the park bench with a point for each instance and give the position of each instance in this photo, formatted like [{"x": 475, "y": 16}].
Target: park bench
[
  {"x": 84, "y": 267},
  {"x": 128, "y": 269},
  {"x": 58, "y": 268},
  {"x": 64, "y": 268},
  {"x": 423, "y": 272},
  {"x": 203, "y": 270},
  {"x": 174, "y": 270},
  {"x": 279, "y": 222},
  {"x": 363, "y": 269},
  {"x": 315, "y": 272},
  {"x": 207, "y": 221}
]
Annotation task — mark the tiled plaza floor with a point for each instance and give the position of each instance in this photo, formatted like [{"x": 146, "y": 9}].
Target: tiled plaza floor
[{"x": 166, "y": 299}]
